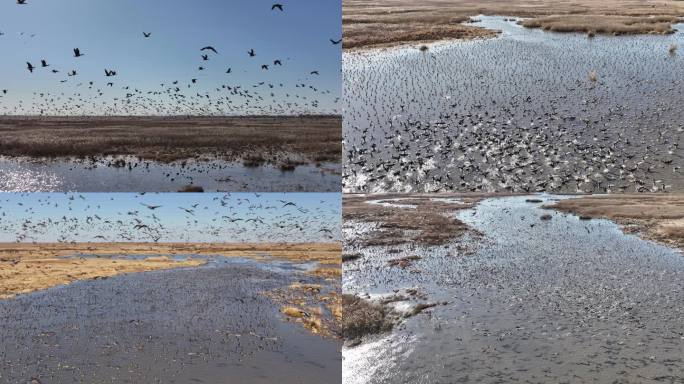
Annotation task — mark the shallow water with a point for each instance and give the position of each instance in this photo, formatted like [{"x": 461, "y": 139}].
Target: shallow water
[
  {"x": 516, "y": 113},
  {"x": 202, "y": 325},
  {"x": 25, "y": 175},
  {"x": 563, "y": 300}
]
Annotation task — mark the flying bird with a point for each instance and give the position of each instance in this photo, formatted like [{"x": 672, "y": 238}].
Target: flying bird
[
  {"x": 335, "y": 42},
  {"x": 147, "y": 34},
  {"x": 251, "y": 53},
  {"x": 209, "y": 48},
  {"x": 44, "y": 63},
  {"x": 30, "y": 67},
  {"x": 77, "y": 52}
]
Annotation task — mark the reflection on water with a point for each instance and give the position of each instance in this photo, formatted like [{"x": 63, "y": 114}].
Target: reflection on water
[
  {"x": 516, "y": 113},
  {"x": 539, "y": 301},
  {"x": 25, "y": 175}
]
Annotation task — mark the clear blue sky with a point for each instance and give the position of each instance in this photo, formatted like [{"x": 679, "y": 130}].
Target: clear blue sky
[
  {"x": 49, "y": 217},
  {"x": 110, "y": 34}
]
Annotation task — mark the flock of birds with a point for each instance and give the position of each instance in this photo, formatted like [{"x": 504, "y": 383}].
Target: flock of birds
[
  {"x": 177, "y": 96},
  {"x": 229, "y": 218},
  {"x": 513, "y": 115}
]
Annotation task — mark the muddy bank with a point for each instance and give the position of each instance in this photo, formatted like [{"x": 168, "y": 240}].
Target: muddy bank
[
  {"x": 543, "y": 297},
  {"x": 373, "y": 23},
  {"x": 655, "y": 217},
  {"x": 206, "y": 324}
]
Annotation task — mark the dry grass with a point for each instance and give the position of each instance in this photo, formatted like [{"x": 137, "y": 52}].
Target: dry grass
[
  {"x": 23, "y": 275},
  {"x": 390, "y": 22},
  {"x": 603, "y": 24},
  {"x": 656, "y": 217},
  {"x": 166, "y": 139},
  {"x": 362, "y": 318},
  {"x": 324, "y": 253},
  {"x": 429, "y": 222}
]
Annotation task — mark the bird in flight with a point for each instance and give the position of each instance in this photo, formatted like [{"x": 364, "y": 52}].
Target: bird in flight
[
  {"x": 44, "y": 64},
  {"x": 77, "y": 52},
  {"x": 277, "y": 6},
  {"x": 152, "y": 207},
  {"x": 314, "y": 73},
  {"x": 264, "y": 67},
  {"x": 209, "y": 48},
  {"x": 335, "y": 42},
  {"x": 277, "y": 62},
  {"x": 109, "y": 73},
  {"x": 21, "y": 2},
  {"x": 229, "y": 70},
  {"x": 251, "y": 53},
  {"x": 30, "y": 67},
  {"x": 147, "y": 34}
]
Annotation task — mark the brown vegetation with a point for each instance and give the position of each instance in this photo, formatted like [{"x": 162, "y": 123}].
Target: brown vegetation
[
  {"x": 324, "y": 253},
  {"x": 166, "y": 139},
  {"x": 603, "y": 24},
  {"x": 389, "y": 22},
  {"x": 657, "y": 217},
  {"x": 422, "y": 219},
  {"x": 361, "y": 318}
]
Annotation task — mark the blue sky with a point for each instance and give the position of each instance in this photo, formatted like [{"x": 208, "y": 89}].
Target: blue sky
[
  {"x": 110, "y": 33},
  {"x": 50, "y": 217}
]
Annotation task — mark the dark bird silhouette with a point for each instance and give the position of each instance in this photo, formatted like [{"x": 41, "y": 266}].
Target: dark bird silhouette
[
  {"x": 21, "y": 2},
  {"x": 205, "y": 57},
  {"x": 229, "y": 70},
  {"x": 335, "y": 42},
  {"x": 277, "y": 62},
  {"x": 209, "y": 48},
  {"x": 109, "y": 73},
  {"x": 44, "y": 63},
  {"x": 30, "y": 67},
  {"x": 264, "y": 67},
  {"x": 314, "y": 73},
  {"x": 251, "y": 53},
  {"x": 77, "y": 52},
  {"x": 147, "y": 34},
  {"x": 277, "y": 6}
]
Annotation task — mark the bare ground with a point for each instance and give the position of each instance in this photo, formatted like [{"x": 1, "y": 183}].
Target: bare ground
[
  {"x": 370, "y": 23},
  {"x": 655, "y": 217},
  {"x": 255, "y": 140}
]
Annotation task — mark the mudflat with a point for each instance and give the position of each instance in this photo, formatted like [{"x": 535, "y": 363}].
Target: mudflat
[
  {"x": 369, "y": 23},
  {"x": 254, "y": 140}
]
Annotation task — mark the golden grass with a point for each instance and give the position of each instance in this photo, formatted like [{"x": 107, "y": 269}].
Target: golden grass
[
  {"x": 324, "y": 253},
  {"x": 166, "y": 139},
  {"x": 603, "y": 24},
  {"x": 369, "y": 23},
  {"x": 656, "y": 217},
  {"x": 24, "y": 275}
]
